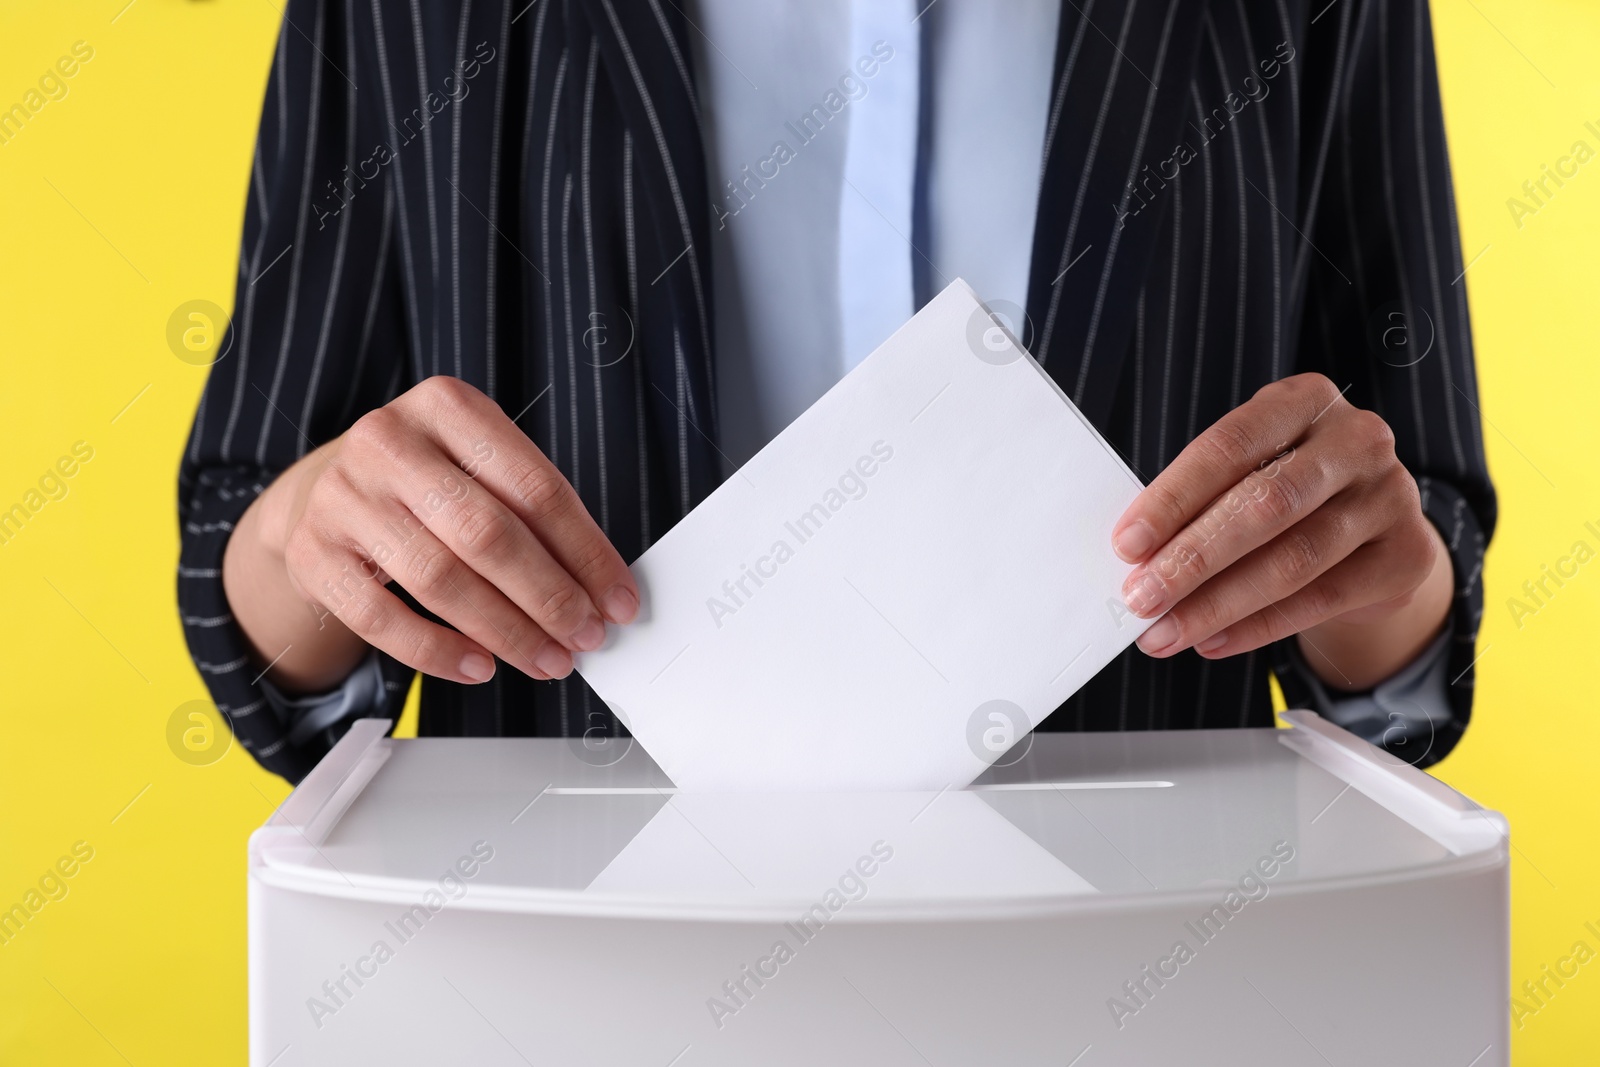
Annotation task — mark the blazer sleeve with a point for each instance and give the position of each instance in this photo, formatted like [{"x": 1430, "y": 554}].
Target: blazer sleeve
[
  {"x": 1385, "y": 302},
  {"x": 317, "y": 338}
]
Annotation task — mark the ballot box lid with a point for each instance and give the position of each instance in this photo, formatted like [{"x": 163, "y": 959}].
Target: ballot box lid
[{"x": 1063, "y": 822}]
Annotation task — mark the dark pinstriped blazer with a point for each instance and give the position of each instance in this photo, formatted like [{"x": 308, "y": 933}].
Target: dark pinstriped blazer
[{"x": 1231, "y": 194}]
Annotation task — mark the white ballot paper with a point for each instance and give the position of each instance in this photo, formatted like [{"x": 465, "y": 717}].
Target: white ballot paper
[{"x": 901, "y": 585}]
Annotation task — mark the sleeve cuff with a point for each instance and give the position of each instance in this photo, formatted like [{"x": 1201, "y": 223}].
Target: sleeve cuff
[
  {"x": 305, "y": 717},
  {"x": 1405, "y": 714}
]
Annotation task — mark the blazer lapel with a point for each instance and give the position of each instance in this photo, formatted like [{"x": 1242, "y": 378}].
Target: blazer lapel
[{"x": 1122, "y": 78}]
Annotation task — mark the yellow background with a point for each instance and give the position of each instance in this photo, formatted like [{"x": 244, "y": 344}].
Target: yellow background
[{"x": 148, "y": 155}]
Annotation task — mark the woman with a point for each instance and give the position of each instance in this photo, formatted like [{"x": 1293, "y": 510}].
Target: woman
[{"x": 521, "y": 283}]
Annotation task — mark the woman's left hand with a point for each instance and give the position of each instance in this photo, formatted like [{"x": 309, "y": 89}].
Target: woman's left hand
[{"x": 1290, "y": 515}]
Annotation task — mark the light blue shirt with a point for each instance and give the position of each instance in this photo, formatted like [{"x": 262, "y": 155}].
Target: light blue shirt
[{"x": 812, "y": 113}]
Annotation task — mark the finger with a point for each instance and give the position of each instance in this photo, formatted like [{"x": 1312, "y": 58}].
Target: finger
[
  {"x": 1272, "y": 572},
  {"x": 446, "y": 586},
  {"x": 480, "y": 530},
  {"x": 504, "y": 461},
  {"x": 1361, "y": 579},
  {"x": 343, "y": 581},
  {"x": 1242, "y": 440},
  {"x": 1268, "y": 502}
]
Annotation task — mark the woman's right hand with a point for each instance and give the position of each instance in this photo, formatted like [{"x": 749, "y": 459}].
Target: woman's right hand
[{"x": 440, "y": 492}]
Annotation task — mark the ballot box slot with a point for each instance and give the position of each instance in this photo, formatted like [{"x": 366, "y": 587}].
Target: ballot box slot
[{"x": 989, "y": 787}]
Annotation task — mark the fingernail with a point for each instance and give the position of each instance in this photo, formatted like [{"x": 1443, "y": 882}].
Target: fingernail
[
  {"x": 1212, "y": 643},
  {"x": 1144, "y": 594},
  {"x": 590, "y": 636},
  {"x": 620, "y": 604},
  {"x": 554, "y": 660},
  {"x": 1134, "y": 541},
  {"x": 477, "y": 666},
  {"x": 1159, "y": 636}
]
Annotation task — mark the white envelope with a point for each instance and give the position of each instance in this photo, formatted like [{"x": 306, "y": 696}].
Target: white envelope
[{"x": 892, "y": 592}]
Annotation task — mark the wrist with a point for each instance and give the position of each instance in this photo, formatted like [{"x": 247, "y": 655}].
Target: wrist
[
  {"x": 277, "y": 509},
  {"x": 253, "y": 563},
  {"x": 309, "y": 650},
  {"x": 1357, "y": 651}
]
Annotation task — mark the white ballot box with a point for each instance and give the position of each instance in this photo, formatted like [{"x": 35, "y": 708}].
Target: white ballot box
[{"x": 1289, "y": 896}]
